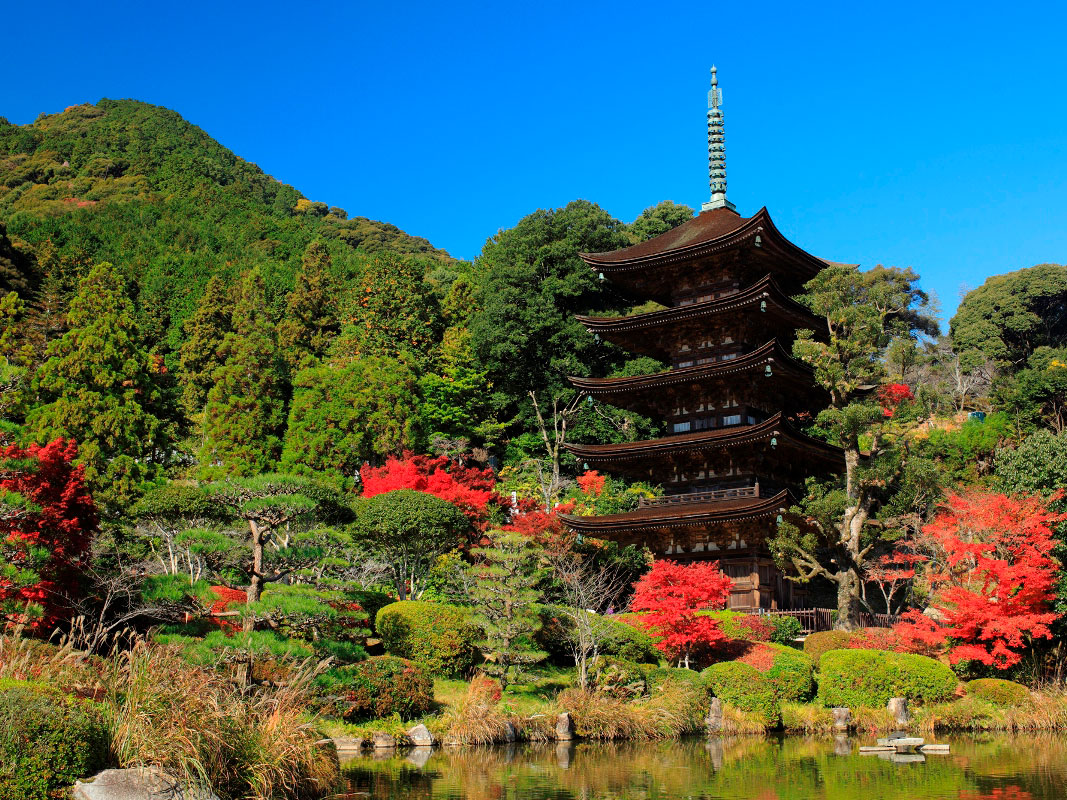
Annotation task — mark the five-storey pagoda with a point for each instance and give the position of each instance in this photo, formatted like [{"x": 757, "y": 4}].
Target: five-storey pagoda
[{"x": 733, "y": 459}]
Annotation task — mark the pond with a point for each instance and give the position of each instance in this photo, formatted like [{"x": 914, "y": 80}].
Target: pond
[{"x": 787, "y": 768}]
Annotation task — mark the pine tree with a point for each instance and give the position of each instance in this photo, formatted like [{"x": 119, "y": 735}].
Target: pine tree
[
  {"x": 102, "y": 389},
  {"x": 505, "y": 594},
  {"x": 312, "y": 317},
  {"x": 244, "y": 415},
  {"x": 205, "y": 332}
]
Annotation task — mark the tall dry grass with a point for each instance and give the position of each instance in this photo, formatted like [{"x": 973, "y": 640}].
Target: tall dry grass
[{"x": 1046, "y": 711}]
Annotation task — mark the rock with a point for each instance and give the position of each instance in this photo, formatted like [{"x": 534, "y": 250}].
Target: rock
[
  {"x": 510, "y": 734},
  {"x": 842, "y": 718},
  {"x": 347, "y": 745},
  {"x": 713, "y": 720},
  {"x": 142, "y": 783},
  {"x": 383, "y": 741},
  {"x": 564, "y": 727},
  {"x": 898, "y": 707},
  {"x": 421, "y": 737}
]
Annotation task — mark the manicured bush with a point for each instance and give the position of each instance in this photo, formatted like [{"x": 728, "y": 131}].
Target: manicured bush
[
  {"x": 657, "y": 677},
  {"x": 786, "y": 629},
  {"x": 744, "y": 687},
  {"x": 744, "y": 627},
  {"x": 999, "y": 692},
  {"x": 619, "y": 638},
  {"x": 618, "y": 677},
  {"x": 440, "y": 637},
  {"x": 791, "y": 674},
  {"x": 870, "y": 677},
  {"x": 815, "y": 644},
  {"x": 378, "y": 687},
  {"x": 47, "y": 742}
]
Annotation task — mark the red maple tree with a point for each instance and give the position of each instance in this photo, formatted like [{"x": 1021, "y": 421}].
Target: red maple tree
[
  {"x": 993, "y": 580},
  {"x": 672, "y": 594},
  {"x": 470, "y": 489},
  {"x": 892, "y": 395},
  {"x": 47, "y": 524}
]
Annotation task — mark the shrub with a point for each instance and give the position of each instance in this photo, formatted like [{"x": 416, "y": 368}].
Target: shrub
[
  {"x": 999, "y": 692},
  {"x": 618, "y": 677},
  {"x": 619, "y": 637},
  {"x": 744, "y": 687},
  {"x": 786, "y": 629},
  {"x": 371, "y": 602},
  {"x": 870, "y": 677},
  {"x": 341, "y": 652},
  {"x": 438, "y": 636},
  {"x": 47, "y": 742},
  {"x": 815, "y": 644},
  {"x": 378, "y": 687},
  {"x": 657, "y": 677},
  {"x": 744, "y": 627},
  {"x": 791, "y": 674}
]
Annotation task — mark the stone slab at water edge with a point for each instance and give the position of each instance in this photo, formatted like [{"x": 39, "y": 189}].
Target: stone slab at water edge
[{"x": 138, "y": 784}]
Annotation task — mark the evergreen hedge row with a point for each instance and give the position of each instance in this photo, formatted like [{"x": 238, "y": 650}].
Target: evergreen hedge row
[{"x": 868, "y": 678}]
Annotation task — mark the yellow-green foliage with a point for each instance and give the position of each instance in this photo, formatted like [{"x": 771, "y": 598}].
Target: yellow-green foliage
[
  {"x": 999, "y": 692},
  {"x": 856, "y": 678},
  {"x": 791, "y": 674},
  {"x": 815, "y": 644},
  {"x": 438, "y": 636},
  {"x": 744, "y": 687}
]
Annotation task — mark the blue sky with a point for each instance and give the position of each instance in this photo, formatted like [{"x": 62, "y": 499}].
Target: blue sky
[{"x": 929, "y": 135}]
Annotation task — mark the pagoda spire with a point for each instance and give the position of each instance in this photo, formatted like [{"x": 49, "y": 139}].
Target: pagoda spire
[{"x": 716, "y": 148}]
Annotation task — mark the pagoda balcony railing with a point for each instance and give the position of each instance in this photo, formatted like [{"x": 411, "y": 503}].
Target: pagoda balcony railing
[{"x": 715, "y": 495}]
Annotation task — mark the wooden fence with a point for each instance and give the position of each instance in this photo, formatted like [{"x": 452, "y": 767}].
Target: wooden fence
[{"x": 822, "y": 619}]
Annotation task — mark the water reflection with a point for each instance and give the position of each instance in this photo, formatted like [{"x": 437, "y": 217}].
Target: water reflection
[{"x": 789, "y": 768}]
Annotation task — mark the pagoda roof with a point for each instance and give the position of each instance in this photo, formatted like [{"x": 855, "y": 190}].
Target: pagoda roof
[
  {"x": 766, "y": 288},
  {"x": 771, "y": 352},
  {"x": 707, "y": 232},
  {"x": 682, "y": 515},
  {"x": 712, "y": 439}
]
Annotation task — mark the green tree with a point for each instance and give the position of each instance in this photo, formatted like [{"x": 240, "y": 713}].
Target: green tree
[
  {"x": 205, "y": 333},
  {"x": 658, "y": 219},
  {"x": 312, "y": 314},
  {"x": 1037, "y": 394},
  {"x": 832, "y": 532},
  {"x": 345, "y": 415},
  {"x": 245, "y": 408},
  {"x": 408, "y": 531},
  {"x": 101, "y": 387},
  {"x": 1011, "y": 315},
  {"x": 505, "y": 596}
]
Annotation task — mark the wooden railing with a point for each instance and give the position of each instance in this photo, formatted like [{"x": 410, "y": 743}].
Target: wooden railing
[
  {"x": 700, "y": 497},
  {"x": 813, "y": 620}
]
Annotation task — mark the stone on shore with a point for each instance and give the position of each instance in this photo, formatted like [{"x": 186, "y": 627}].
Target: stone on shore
[
  {"x": 383, "y": 741},
  {"x": 421, "y": 737},
  {"x": 713, "y": 720},
  {"x": 898, "y": 707},
  {"x": 141, "y": 783},
  {"x": 564, "y": 727},
  {"x": 842, "y": 718}
]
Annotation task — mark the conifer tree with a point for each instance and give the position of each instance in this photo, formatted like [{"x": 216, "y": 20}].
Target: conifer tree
[
  {"x": 102, "y": 388},
  {"x": 205, "y": 332},
  {"x": 505, "y": 594},
  {"x": 244, "y": 414},
  {"x": 312, "y": 317}
]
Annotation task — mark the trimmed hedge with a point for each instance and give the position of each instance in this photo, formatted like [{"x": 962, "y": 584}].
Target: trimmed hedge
[
  {"x": 792, "y": 674},
  {"x": 378, "y": 687},
  {"x": 619, "y": 638},
  {"x": 440, "y": 637},
  {"x": 868, "y": 678},
  {"x": 999, "y": 692},
  {"x": 744, "y": 687},
  {"x": 815, "y": 644},
  {"x": 47, "y": 742},
  {"x": 618, "y": 677},
  {"x": 657, "y": 677}
]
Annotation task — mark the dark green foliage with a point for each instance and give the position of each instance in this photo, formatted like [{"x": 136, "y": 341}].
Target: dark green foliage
[
  {"x": 1036, "y": 395},
  {"x": 1037, "y": 465},
  {"x": 744, "y": 687},
  {"x": 102, "y": 388},
  {"x": 815, "y": 644},
  {"x": 312, "y": 315},
  {"x": 376, "y": 688},
  {"x": 441, "y": 638},
  {"x": 172, "y": 501},
  {"x": 205, "y": 332},
  {"x": 1011, "y": 315},
  {"x": 786, "y": 629},
  {"x": 371, "y": 602},
  {"x": 868, "y": 678},
  {"x": 504, "y": 594},
  {"x": 658, "y": 219},
  {"x": 408, "y": 530},
  {"x": 617, "y": 638},
  {"x": 999, "y": 692},
  {"x": 16, "y": 267},
  {"x": 244, "y": 415},
  {"x": 47, "y": 742},
  {"x": 618, "y": 677},
  {"x": 345, "y": 415}
]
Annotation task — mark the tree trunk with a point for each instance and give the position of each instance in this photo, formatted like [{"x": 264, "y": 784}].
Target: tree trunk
[
  {"x": 255, "y": 585},
  {"x": 848, "y": 600}
]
